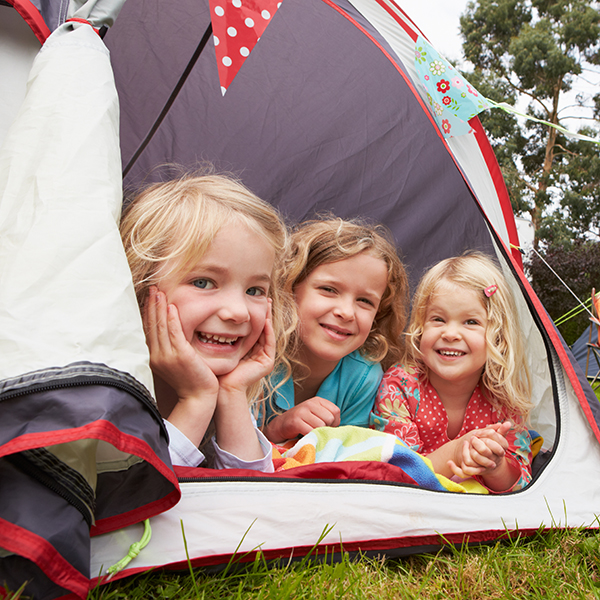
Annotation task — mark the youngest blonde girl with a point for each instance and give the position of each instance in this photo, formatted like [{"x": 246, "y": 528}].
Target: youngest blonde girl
[{"x": 462, "y": 394}]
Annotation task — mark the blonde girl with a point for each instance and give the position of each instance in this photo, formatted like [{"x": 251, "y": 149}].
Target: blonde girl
[
  {"x": 205, "y": 254},
  {"x": 462, "y": 394},
  {"x": 350, "y": 289}
]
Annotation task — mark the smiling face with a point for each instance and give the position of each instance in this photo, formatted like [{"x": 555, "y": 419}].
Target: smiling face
[
  {"x": 337, "y": 304},
  {"x": 453, "y": 344},
  {"x": 223, "y": 300}
]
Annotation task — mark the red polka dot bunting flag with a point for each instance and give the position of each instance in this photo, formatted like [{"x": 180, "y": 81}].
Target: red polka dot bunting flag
[{"x": 237, "y": 26}]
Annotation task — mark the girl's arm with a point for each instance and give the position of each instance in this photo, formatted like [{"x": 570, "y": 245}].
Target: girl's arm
[
  {"x": 173, "y": 359},
  {"x": 391, "y": 412},
  {"x": 236, "y": 432}
]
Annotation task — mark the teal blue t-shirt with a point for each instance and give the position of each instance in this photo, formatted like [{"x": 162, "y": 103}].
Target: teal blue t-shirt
[{"x": 351, "y": 386}]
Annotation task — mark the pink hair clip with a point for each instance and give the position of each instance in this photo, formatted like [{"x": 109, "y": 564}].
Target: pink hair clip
[{"x": 490, "y": 290}]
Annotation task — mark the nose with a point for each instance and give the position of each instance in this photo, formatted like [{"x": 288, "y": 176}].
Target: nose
[
  {"x": 344, "y": 308},
  {"x": 234, "y": 307},
  {"x": 451, "y": 331}
]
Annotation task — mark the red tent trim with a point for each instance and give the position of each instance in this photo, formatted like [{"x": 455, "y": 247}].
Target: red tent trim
[{"x": 33, "y": 18}]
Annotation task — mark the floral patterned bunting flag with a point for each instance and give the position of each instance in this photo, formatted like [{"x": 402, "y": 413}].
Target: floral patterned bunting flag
[{"x": 453, "y": 101}]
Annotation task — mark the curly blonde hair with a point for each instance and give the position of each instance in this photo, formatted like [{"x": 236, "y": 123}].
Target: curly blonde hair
[
  {"x": 506, "y": 375},
  {"x": 168, "y": 227},
  {"x": 328, "y": 240}
]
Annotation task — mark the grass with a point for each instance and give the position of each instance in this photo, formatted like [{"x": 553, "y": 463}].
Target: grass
[{"x": 555, "y": 564}]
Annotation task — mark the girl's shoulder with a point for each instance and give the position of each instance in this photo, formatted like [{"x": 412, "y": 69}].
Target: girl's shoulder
[
  {"x": 355, "y": 361},
  {"x": 402, "y": 371}
]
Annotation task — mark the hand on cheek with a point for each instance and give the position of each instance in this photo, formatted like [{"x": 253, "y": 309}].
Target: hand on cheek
[
  {"x": 174, "y": 360},
  {"x": 171, "y": 355},
  {"x": 258, "y": 363}
]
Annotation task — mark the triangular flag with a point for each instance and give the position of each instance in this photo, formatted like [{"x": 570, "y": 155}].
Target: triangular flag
[
  {"x": 237, "y": 26},
  {"x": 453, "y": 101}
]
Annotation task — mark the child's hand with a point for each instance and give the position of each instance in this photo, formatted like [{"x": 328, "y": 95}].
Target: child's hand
[
  {"x": 174, "y": 360},
  {"x": 482, "y": 452},
  {"x": 235, "y": 431},
  {"x": 302, "y": 419},
  {"x": 258, "y": 363}
]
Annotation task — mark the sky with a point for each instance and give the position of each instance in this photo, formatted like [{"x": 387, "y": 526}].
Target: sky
[{"x": 441, "y": 31}]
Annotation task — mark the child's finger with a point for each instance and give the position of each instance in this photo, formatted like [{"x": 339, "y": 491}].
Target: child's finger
[
  {"x": 177, "y": 338},
  {"x": 329, "y": 410},
  {"x": 481, "y": 454},
  {"x": 151, "y": 324},
  {"x": 269, "y": 334},
  {"x": 464, "y": 472}
]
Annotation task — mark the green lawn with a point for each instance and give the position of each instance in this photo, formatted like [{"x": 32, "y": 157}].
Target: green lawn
[{"x": 554, "y": 565}]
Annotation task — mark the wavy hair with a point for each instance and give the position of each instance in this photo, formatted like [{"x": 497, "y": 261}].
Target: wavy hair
[
  {"x": 168, "y": 227},
  {"x": 328, "y": 240},
  {"x": 505, "y": 377}
]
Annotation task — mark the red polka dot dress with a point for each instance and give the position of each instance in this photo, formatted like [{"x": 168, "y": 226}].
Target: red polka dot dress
[{"x": 412, "y": 410}]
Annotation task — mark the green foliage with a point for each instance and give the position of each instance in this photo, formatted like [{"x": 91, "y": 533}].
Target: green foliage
[
  {"x": 552, "y": 564},
  {"x": 577, "y": 263},
  {"x": 532, "y": 50}
]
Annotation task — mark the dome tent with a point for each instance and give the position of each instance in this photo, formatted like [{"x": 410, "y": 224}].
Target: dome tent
[{"x": 327, "y": 114}]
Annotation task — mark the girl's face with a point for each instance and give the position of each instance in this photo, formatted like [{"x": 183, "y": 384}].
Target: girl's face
[
  {"x": 223, "y": 300},
  {"x": 453, "y": 342},
  {"x": 337, "y": 304}
]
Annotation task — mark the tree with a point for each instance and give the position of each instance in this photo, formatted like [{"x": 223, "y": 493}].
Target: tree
[
  {"x": 533, "y": 50},
  {"x": 579, "y": 265}
]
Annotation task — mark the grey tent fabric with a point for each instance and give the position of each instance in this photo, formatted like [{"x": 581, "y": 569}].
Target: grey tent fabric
[{"x": 341, "y": 142}]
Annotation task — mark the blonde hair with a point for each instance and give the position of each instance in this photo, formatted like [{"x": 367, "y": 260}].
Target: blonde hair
[
  {"x": 323, "y": 241},
  {"x": 506, "y": 375},
  {"x": 169, "y": 226}
]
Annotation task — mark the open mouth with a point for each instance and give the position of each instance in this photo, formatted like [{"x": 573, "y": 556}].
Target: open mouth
[
  {"x": 451, "y": 352},
  {"x": 219, "y": 340}
]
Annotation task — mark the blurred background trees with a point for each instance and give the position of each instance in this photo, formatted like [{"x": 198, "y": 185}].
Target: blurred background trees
[{"x": 530, "y": 53}]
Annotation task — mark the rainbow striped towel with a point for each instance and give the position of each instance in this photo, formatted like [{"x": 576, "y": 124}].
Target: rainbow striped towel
[{"x": 350, "y": 443}]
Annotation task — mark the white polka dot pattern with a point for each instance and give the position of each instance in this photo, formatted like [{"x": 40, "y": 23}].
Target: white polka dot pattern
[
  {"x": 237, "y": 27},
  {"x": 411, "y": 409}
]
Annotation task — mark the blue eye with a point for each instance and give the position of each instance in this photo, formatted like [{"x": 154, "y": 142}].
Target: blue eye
[
  {"x": 256, "y": 291},
  {"x": 203, "y": 284},
  {"x": 366, "y": 301}
]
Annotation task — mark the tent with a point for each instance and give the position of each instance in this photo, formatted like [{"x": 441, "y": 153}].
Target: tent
[
  {"x": 328, "y": 113},
  {"x": 580, "y": 351}
]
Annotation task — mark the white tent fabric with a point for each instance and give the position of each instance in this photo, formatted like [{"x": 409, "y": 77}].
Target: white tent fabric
[
  {"x": 222, "y": 517},
  {"x": 49, "y": 261}
]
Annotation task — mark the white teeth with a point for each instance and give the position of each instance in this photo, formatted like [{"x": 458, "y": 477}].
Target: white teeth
[
  {"x": 450, "y": 353},
  {"x": 210, "y": 338}
]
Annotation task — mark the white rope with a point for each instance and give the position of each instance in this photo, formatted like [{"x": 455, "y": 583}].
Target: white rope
[{"x": 558, "y": 277}]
